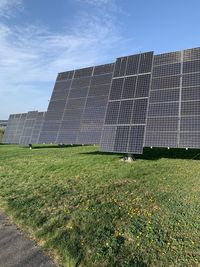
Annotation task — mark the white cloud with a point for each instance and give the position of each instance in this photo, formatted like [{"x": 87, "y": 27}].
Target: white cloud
[
  {"x": 31, "y": 57},
  {"x": 9, "y": 7},
  {"x": 96, "y": 2}
]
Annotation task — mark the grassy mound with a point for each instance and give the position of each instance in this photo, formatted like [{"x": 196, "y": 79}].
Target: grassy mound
[{"x": 90, "y": 209}]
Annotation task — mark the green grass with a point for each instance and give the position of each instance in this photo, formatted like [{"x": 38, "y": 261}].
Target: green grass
[
  {"x": 90, "y": 209},
  {"x": 1, "y": 134}
]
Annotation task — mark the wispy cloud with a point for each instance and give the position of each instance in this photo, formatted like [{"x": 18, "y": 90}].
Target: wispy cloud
[
  {"x": 96, "y": 2},
  {"x": 9, "y": 7},
  {"x": 31, "y": 57}
]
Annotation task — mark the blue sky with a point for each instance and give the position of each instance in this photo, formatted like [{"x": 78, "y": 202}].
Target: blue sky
[{"x": 39, "y": 38}]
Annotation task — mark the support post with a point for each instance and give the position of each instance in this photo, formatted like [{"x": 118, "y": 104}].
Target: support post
[{"x": 130, "y": 158}]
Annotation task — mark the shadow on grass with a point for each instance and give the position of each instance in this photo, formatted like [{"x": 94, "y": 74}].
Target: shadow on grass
[
  {"x": 2, "y": 144},
  {"x": 158, "y": 153},
  {"x": 53, "y": 146}
]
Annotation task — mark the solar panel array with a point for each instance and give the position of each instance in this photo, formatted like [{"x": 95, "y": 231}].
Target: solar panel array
[
  {"x": 77, "y": 107},
  {"x": 125, "y": 120},
  {"x": 14, "y": 128},
  {"x": 24, "y": 128},
  {"x": 124, "y": 106}
]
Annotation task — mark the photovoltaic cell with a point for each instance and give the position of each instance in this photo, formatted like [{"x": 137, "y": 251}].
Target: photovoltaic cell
[
  {"x": 167, "y": 58},
  {"x": 163, "y": 109},
  {"x": 112, "y": 112},
  {"x": 128, "y": 88},
  {"x": 191, "y": 54},
  {"x": 167, "y": 70},
  {"x": 145, "y": 65},
  {"x": 139, "y": 111},
  {"x": 102, "y": 69},
  {"x": 190, "y": 93},
  {"x": 192, "y": 79},
  {"x": 164, "y": 95},
  {"x": 86, "y": 72},
  {"x": 125, "y": 112},
  {"x": 166, "y": 82},
  {"x": 120, "y": 67},
  {"x": 136, "y": 139},
  {"x": 189, "y": 139},
  {"x": 121, "y": 137},
  {"x": 191, "y": 66},
  {"x": 143, "y": 83},
  {"x": 190, "y": 124},
  {"x": 161, "y": 139},
  {"x": 132, "y": 65},
  {"x": 108, "y": 138},
  {"x": 116, "y": 89}
]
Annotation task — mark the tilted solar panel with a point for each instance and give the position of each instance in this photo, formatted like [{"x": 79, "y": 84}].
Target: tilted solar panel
[
  {"x": 24, "y": 128},
  {"x": 28, "y": 128},
  {"x": 190, "y": 100},
  {"x": 77, "y": 107},
  {"x": 39, "y": 120},
  {"x": 163, "y": 108},
  {"x": 174, "y": 105},
  {"x": 125, "y": 119},
  {"x": 14, "y": 128}
]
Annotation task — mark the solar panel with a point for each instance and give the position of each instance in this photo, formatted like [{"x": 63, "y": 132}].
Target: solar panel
[
  {"x": 77, "y": 107},
  {"x": 174, "y": 105},
  {"x": 190, "y": 100},
  {"x": 37, "y": 127},
  {"x": 55, "y": 111},
  {"x": 14, "y": 128},
  {"x": 125, "y": 119},
  {"x": 163, "y": 108},
  {"x": 7, "y": 134},
  {"x": 29, "y": 125}
]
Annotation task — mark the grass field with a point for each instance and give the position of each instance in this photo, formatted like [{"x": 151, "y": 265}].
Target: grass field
[
  {"x": 1, "y": 134},
  {"x": 89, "y": 209}
]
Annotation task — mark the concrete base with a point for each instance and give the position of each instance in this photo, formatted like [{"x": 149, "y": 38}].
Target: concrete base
[{"x": 129, "y": 159}]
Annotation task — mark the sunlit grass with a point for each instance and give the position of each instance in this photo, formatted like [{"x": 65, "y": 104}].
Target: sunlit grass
[
  {"x": 90, "y": 209},
  {"x": 1, "y": 134}
]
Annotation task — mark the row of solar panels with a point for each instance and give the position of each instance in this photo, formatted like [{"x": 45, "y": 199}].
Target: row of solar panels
[
  {"x": 24, "y": 128},
  {"x": 140, "y": 100}
]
